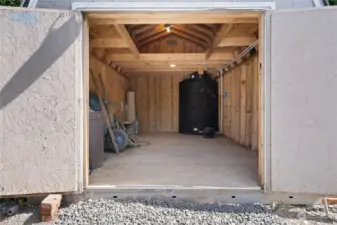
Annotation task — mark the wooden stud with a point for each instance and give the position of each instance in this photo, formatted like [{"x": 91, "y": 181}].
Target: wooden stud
[
  {"x": 243, "y": 93},
  {"x": 260, "y": 104}
]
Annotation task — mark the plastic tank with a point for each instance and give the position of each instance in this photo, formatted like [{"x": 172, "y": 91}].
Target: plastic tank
[{"x": 198, "y": 104}]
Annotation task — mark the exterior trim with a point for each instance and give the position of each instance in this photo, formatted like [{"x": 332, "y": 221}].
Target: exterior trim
[{"x": 168, "y": 6}]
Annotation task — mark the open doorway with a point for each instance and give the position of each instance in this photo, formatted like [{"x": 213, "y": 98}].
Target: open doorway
[{"x": 150, "y": 55}]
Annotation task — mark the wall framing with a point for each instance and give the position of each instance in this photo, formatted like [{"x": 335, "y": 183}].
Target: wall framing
[{"x": 131, "y": 8}]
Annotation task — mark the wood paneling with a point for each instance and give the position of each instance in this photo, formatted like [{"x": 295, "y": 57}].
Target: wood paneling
[
  {"x": 240, "y": 114},
  {"x": 157, "y": 101},
  {"x": 172, "y": 44},
  {"x": 115, "y": 84}
]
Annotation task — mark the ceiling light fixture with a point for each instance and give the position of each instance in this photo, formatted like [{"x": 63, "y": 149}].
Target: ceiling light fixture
[
  {"x": 172, "y": 65},
  {"x": 168, "y": 28}
]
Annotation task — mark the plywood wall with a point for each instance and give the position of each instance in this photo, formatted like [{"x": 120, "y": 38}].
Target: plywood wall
[
  {"x": 115, "y": 84},
  {"x": 157, "y": 101},
  {"x": 240, "y": 112},
  {"x": 172, "y": 44}
]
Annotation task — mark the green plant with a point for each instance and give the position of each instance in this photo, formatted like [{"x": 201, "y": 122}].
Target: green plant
[
  {"x": 10, "y": 2},
  {"x": 333, "y": 2}
]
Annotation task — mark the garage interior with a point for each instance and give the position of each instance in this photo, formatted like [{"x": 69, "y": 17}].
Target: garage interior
[{"x": 150, "y": 54}]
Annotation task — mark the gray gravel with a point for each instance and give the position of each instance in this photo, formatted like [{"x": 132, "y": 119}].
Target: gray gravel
[{"x": 106, "y": 212}]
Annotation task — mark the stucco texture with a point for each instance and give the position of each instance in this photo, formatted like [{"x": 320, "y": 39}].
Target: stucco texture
[
  {"x": 40, "y": 101},
  {"x": 303, "y": 101}
]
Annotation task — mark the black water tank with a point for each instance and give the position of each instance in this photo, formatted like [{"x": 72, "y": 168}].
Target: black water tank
[{"x": 198, "y": 104}]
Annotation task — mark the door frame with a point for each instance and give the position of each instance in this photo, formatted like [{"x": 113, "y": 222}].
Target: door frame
[{"x": 197, "y": 7}]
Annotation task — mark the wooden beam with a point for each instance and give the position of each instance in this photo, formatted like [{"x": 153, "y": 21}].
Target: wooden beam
[
  {"x": 224, "y": 30},
  {"x": 176, "y": 57},
  {"x": 142, "y": 29},
  {"x": 160, "y": 69},
  {"x": 126, "y": 36},
  {"x": 167, "y": 63},
  {"x": 203, "y": 30},
  {"x": 192, "y": 33},
  {"x": 153, "y": 38},
  {"x": 155, "y": 30},
  {"x": 236, "y": 41},
  {"x": 189, "y": 38},
  {"x": 173, "y": 18},
  {"x": 108, "y": 43}
]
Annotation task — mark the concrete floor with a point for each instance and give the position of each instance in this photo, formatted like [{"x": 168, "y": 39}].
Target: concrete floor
[{"x": 176, "y": 159}]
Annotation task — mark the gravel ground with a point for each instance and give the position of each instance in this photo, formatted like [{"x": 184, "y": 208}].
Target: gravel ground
[{"x": 106, "y": 212}]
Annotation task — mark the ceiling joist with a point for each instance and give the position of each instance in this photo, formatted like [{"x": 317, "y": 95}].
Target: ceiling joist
[
  {"x": 236, "y": 41},
  {"x": 168, "y": 57},
  {"x": 108, "y": 43},
  {"x": 126, "y": 36},
  {"x": 224, "y": 30}
]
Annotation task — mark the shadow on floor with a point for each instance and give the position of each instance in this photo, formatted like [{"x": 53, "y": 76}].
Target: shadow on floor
[{"x": 27, "y": 215}]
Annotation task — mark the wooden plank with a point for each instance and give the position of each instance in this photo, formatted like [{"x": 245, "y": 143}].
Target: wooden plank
[
  {"x": 188, "y": 29},
  {"x": 260, "y": 103},
  {"x": 189, "y": 37},
  {"x": 202, "y": 30},
  {"x": 166, "y": 63},
  {"x": 108, "y": 43},
  {"x": 156, "y": 29},
  {"x": 158, "y": 102},
  {"x": 225, "y": 103},
  {"x": 236, "y": 41},
  {"x": 175, "y": 57},
  {"x": 142, "y": 29},
  {"x": 233, "y": 88},
  {"x": 152, "y": 104},
  {"x": 175, "y": 102},
  {"x": 237, "y": 103},
  {"x": 249, "y": 87},
  {"x": 166, "y": 103},
  {"x": 255, "y": 107},
  {"x": 126, "y": 36},
  {"x": 153, "y": 38},
  {"x": 224, "y": 30},
  {"x": 243, "y": 96},
  {"x": 142, "y": 100}
]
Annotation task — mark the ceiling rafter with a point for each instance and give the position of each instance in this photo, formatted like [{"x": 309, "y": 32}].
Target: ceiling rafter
[
  {"x": 188, "y": 31},
  {"x": 203, "y": 30},
  {"x": 188, "y": 37},
  {"x": 153, "y": 38},
  {"x": 155, "y": 30}
]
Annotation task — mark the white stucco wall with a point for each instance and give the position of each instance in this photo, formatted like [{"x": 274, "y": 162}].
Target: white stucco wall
[
  {"x": 280, "y": 4},
  {"x": 40, "y": 101},
  {"x": 300, "y": 101}
]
